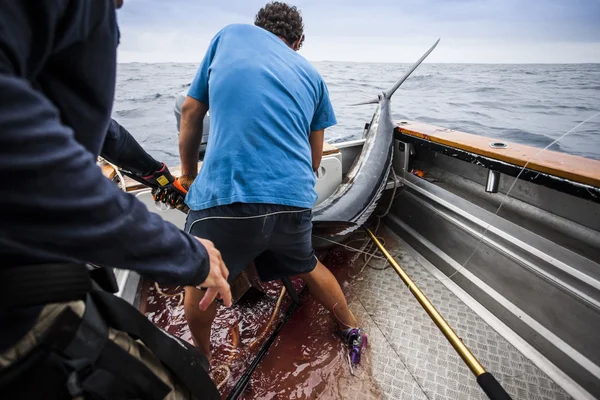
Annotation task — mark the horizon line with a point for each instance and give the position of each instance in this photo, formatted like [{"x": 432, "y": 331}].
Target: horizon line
[{"x": 387, "y": 62}]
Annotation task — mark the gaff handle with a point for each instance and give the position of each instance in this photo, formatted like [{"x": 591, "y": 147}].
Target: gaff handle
[
  {"x": 488, "y": 383},
  {"x": 492, "y": 387}
]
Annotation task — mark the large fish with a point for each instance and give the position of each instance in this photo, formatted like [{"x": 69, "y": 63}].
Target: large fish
[{"x": 356, "y": 198}]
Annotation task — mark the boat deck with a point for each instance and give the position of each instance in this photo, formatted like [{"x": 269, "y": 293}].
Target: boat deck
[{"x": 409, "y": 356}]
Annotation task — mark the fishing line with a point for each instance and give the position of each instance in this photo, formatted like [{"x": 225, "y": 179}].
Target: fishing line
[
  {"x": 368, "y": 249},
  {"x": 354, "y": 249},
  {"x": 495, "y": 216}
]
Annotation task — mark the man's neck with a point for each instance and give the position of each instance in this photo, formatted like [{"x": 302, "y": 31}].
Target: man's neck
[{"x": 286, "y": 43}]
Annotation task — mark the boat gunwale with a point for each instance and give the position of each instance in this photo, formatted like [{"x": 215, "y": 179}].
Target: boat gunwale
[{"x": 567, "y": 166}]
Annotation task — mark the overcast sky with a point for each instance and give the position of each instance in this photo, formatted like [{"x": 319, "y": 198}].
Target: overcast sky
[{"x": 472, "y": 31}]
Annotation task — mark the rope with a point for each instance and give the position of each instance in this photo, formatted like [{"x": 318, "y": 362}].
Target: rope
[
  {"x": 227, "y": 375},
  {"x": 275, "y": 311},
  {"x": 119, "y": 174},
  {"x": 225, "y": 366},
  {"x": 167, "y": 295}
]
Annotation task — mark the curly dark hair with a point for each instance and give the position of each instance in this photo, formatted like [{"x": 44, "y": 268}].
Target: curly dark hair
[{"x": 281, "y": 20}]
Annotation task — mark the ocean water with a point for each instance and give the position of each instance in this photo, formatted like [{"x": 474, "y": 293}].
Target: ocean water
[{"x": 529, "y": 104}]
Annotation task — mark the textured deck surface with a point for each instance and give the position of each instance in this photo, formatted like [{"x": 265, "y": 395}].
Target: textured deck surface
[{"x": 411, "y": 359}]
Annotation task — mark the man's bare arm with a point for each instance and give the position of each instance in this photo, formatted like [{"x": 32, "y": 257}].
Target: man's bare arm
[
  {"x": 316, "y": 145},
  {"x": 190, "y": 135}
]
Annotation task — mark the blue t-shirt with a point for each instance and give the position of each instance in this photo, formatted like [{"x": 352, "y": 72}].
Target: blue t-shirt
[{"x": 264, "y": 101}]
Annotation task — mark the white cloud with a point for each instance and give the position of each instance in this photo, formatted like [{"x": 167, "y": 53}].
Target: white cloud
[
  {"x": 472, "y": 31},
  {"x": 451, "y": 50}
]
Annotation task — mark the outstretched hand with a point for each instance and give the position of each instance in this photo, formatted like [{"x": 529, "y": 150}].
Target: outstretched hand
[{"x": 216, "y": 282}]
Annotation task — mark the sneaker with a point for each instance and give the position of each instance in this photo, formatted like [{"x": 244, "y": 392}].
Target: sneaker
[{"x": 356, "y": 340}]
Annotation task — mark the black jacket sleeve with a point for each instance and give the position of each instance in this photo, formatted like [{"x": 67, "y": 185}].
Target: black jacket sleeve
[
  {"x": 121, "y": 148},
  {"x": 55, "y": 205}
]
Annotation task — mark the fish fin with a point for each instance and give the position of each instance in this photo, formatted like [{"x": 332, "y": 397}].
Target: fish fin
[
  {"x": 362, "y": 103},
  {"x": 390, "y": 92},
  {"x": 331, "y": 228}
]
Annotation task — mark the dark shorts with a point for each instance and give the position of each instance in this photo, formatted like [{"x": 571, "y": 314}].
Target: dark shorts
[{"x": 277, "y": 238}]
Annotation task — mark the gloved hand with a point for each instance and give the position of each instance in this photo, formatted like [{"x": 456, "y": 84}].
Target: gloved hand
[
  {"x": 165, "y": 188},
  {"x": 174, "y": 194}
]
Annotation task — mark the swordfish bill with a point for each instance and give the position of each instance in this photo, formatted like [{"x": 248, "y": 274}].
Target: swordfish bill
[{"x": 356, "y": 198}]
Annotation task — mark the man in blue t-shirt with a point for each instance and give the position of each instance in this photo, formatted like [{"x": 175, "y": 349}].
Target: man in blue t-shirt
[{"x": 269, "y": 108}]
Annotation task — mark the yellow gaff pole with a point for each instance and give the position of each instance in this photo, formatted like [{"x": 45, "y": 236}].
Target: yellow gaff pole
[{"x": 486, "y": 380}]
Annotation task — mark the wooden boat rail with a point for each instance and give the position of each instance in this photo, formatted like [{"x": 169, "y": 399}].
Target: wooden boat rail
[
  {"x": 574, "y": 175},
  {"x": 574, "y": 168}
]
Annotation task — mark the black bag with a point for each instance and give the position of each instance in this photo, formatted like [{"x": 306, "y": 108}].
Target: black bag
[{"x": 76, "y": 358}]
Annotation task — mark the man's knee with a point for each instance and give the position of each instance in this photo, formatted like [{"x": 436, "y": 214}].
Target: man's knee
[{"x": 315, "y": 274}]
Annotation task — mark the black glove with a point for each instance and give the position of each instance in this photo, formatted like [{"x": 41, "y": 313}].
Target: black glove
[{"x": 165, "y": 188}]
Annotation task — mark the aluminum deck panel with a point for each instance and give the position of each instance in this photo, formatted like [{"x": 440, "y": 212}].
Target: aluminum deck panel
[{"x": 409, "y": 356}]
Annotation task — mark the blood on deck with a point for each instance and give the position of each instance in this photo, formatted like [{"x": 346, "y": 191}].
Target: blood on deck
[{"x": 307, "y": 360}]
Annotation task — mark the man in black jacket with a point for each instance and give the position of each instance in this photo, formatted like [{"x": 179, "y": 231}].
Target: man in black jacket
[{"x": 57, "y": 79}]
